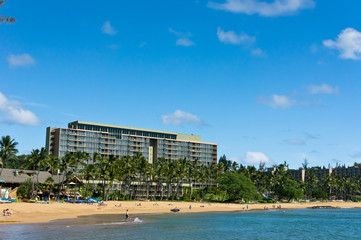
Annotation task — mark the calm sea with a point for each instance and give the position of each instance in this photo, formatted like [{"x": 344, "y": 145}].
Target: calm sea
[{"x": 277, "y": 224}]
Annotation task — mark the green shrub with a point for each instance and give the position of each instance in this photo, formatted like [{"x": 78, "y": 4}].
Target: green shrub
[{"x": 25, "y": 189}]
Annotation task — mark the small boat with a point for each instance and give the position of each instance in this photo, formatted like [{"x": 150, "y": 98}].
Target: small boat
[
  {"x": 175, "y": 209},
  {"x": 7, "y": 199},
  {"x": 92, "y": 200}
]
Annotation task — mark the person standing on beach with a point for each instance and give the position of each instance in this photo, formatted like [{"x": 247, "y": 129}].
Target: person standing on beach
[{"x": 126, "y": 214}]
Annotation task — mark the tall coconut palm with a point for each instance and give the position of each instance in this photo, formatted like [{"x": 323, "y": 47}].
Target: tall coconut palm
[
  {"x": 192, "y": 173},
  {"x": 65, "y": 162},
  {"x": 103, "y": 166},
  {"x": 159, "y": 173},
  {"x": 234, "y": 167},
  {"x": 112, "y": 172},
  {"x": 53, "y": 163},
  {"x": 8, "y": 150},
  {"x": 149, "y": 173},
  {"x": 79, "y": 160},
  {"x": 88, "y": 173},
  {"x": 168, "y": 171},
  {"x": 180, "y": 171},
  {"x": 141, "y": 167},
  {"x": 203, "y": 177},
  {"x": 38, "y": 159},
  {"x": 129, "y": 174}
]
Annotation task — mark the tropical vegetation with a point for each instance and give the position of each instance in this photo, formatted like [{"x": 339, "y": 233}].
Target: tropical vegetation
[{"x": 131, "y": 177}]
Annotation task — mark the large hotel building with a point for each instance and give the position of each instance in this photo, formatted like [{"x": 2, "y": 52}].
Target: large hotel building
[{"x": 120, "y": 141}]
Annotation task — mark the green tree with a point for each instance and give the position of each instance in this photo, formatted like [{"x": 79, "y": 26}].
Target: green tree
[
  {"x": 141, "y": 165},
  {"x": 180, "y": 172},
  {"x": 319, "y": 194},
  {"x": 103, "y": 165},
  {"x": 8, "y": 150},
  {"x": 4, "y": 19},
  {"x": 18, "y": 162},
  {"x": 53, "y": 164},
  {"x": 88, "y": 173},
  {"x": 290, "y": 192},
  {"x": 238, "y": 186},
  {"x": 79, "y": 160},
  {"x": 112, "y": 172},
  {"x": 38, "y": 158},
  {"x": 65, "y": 163},
  {"x": 25, "y": 189}
]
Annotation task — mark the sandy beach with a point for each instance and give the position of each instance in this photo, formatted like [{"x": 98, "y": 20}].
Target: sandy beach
[{"x": 37, "y": 213}]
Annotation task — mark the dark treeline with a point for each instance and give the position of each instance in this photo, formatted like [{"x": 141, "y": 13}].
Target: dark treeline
[{"x": 225, "y": 181}]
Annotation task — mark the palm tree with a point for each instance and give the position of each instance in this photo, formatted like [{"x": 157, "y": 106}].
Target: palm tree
[
  {"x": 79, "y": 160},
  {"x": 129, "y": 173},
  {"x": 53, "y": 163},
  {"x": 192, "y": 173},
  {"x": 159, "y": 173},
  {"x": 234, "y": 167},
  {"x": 7, "y": 150},
  {"x": 38, "y": 159},
  {"x": 310, "y": 183},
  {"x": 181, "y": 166},
  {"x": 141, "y": 166},
  {"x": 103, "y": 165},
  {"x": 168, "y": 171},
  {"x": 112, "y": 172},
  {"x": 88, "y": 173},
  {"x": 149, "y": 173},
  {"x": 65, "y": 162},
  {"x": 203, "y": 177}
]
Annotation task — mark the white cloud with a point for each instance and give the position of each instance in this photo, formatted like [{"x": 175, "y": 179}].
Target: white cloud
[
  {"x": 113, "y": 46},
  {"x": 183, "y": 38},
  {"x": 258, "y": 52},
  {"x": 311, "y": 136},
  {"x": 255, "y": 158},
  {"x": 356, "y": 155},
  {"x": 107, "y": 28},
  {"x": 323, "y": 89},
  {"x": 15, "y": 113},
  {"x": 234, "y": 38},
  {"x": 298, "y": 142},
  {"x": 184, "y": 42},
  {"x": 348, "y": 42},
  {"x": 277, "y": 101},
  {"x": 21, "y": 60},
  {"x": 179, "y": 117},
  {"x": 263, "y": 8}
]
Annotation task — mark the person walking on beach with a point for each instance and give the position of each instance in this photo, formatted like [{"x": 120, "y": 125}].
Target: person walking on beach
[{"x": 126, "y": 214}]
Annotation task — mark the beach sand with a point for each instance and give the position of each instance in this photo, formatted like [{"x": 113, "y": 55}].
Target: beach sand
[{"x": 35, "y": 212}]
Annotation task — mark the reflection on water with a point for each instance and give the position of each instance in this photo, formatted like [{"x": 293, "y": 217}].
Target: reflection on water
[{"x": 290, "y": 224}]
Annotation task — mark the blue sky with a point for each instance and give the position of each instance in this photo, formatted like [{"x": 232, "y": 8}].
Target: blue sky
[{"x": 266, "y": 80}]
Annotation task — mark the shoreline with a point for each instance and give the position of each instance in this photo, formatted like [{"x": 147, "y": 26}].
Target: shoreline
[{"x": 27, "y": 213}]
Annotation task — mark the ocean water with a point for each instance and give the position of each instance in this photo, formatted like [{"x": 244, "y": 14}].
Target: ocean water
[{"x": 273, "y": 224}]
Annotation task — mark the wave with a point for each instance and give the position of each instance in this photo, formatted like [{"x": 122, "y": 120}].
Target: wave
[
  {"x": 136, "y": 220},
  {"x": 111, "y": 223}
]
